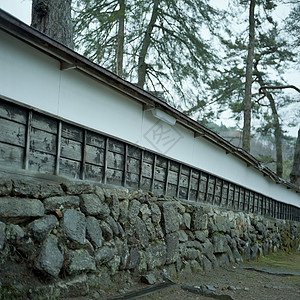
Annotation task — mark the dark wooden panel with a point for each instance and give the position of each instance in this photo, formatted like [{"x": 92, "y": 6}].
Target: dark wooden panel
[
  {"x": 44, "y": 123},
  {"x": 161, "y": 162},
  {"x": 194, "y": 183},
  {"x": 160, "y": 174},
  {"x": 172, "y": 190},
  {"x": 11, "y": 156},
  {"x": 146, "y": 184},
  {"x": 12, "y": 112},
  {"x": 133, "y": 165},
  {"x": 71, "y": 149},
  {"x": 148, "y": 157},
  {"x": 158, "y": 188},
  {"x": 183, "y": 192},
  {"x": 116, "y": 146},
  {"x": 184, "y": 180},
  {"x": 147, "y": 170},
  {"x": 115, "y": 161},
  {"x": 185, "y": 170},
  {"x": 93, "y": 172},
  {"x": 72, "y": 132},
  {"x": 114, "y": 177},
  {"x": 94, "y": 155},
  {"x": 173, "y": 177},
  {"x": 42, "y": 141},
  {"x": 95, "y": 139},
  {"x": 12, "y": 133},
  {"x": 134, "y": 152},
  {"x": 132, "y": 180},
  {"x": 69, "y": 168},
  {"x": 41, "y": 162},
  {"x": 174, "y": 166}
]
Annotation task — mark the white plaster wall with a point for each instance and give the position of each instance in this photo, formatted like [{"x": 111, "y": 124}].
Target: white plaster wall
[
  {"x": 33, "y": 78},
  {"x": 27, "y": 75}
]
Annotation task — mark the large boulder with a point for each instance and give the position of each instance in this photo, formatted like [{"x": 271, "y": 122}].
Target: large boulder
[
  {"x": 50, "y": 259},
  {"x": 20, "y": 209},
  {"x": 43, "y": 226}
]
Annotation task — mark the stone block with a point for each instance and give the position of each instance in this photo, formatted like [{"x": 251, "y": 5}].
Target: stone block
[
  {"x": 105, "y": 254},
  {"x": 80, "y": 261},
  {"x": 78, "y": 188},
  {"x": 107, "y": 232},
  {"x": 50, "y": 259},
  {"x": 42, "y": 227},
  {"x": 201, "y": 235},
  {"x": 2, "y": 235},
  {"x": 134, "y": 209},
  {"x": 170, "y": 217},
  {"x": 64, "y": 202},
  {"x": 156, "y": 256},
  {"x": 5, "y": 186},
  {"x": 199, "y": 219},
  {"x": 94, "y": 232},
  {"x": 91, "y": 205},
  {"x": 187, "y": 220},
  {"x": 172, "y": 242},
  {"x": 141, "y": 232},
  {"x": 134, "y": 258},
  {"x": 123, "y": 217},
  {"x": 74, "y": 225},
  {"x": 156, "y": 213},
  {"x": 114, "y": 206},
  {"x": 20, "y": 209},
  {"x": 183, "y": 237},
  {"x": 220, "y": 243}
]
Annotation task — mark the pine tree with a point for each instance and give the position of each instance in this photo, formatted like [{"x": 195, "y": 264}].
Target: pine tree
[{"x": 54, "y": 19}]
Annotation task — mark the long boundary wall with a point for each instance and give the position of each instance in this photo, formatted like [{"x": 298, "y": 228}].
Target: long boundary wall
[{"x": 40, "y": 143}]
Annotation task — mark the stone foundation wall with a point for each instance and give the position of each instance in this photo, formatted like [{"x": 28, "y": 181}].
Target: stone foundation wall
[{"x": 78, "y": 236}]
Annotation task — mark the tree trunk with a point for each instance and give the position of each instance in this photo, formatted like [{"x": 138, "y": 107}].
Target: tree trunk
[
  {"x": 278, "y": 132},
  {"x": 120, "y": 41},
  {"x": 295, "y": 174},
  {"x": 248, "y": 84},
  {"x": 53, "y": 18},
  {"x": 142, "y": 66}
]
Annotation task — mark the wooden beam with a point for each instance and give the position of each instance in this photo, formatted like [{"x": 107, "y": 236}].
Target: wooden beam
[
  {"x": 58, "y": 147},
  {"x": 27, "y": 143}
]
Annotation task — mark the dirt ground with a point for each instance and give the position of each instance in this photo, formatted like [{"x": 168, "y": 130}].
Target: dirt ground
[{"x": 275, "y": 277}]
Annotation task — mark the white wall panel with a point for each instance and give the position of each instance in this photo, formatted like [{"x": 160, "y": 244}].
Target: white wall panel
[
  {"x": 27, "y": 75},
  {"x": 87, "y": 101}
]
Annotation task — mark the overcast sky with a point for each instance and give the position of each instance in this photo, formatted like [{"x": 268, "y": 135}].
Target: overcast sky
[{"x": 22, "y": 10}]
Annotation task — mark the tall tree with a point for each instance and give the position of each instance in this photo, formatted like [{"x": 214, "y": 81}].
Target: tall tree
[
  {"x": 248, "y": 83},
  {"x": 163, "y": 46},
  {"x": 54, "y": 19},
  {"x": 295, "y": 174}
]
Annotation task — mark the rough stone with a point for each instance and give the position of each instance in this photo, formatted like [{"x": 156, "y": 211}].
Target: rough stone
[
  {"x": 207, "y": 266},
  {"x": 14, "y": 234},
  {"x": 220, "y": 243},
  {"x": 5, "y": 186},
  {"x": 141, "y": 232},
  {"x": 254, "y": 252},
  {"x": 187, "y": 220},
  {"x": 43, "y": 226},
  {"x": 92, "y": 205},
  {"x": 134, "y": 256},
  {"x": 123, "y": 217},
  {"x": 20, "y": 209},
  {"x": 134, "y": 209},
  {"x": 223, "y": 260},
  {"x": 237, "y": 256},
  {"x": 53, "y": 203},
  {"x": 74, "y": 225},
  {"x": 156, "y": 213},
  {"x": 113, "y": 225},
  {"x": 80, "y": 261},
  {"x": 195, "y": 266},
  {"x": 183, "y": 237},
  {"x": 114, "y": 206},
  {"x": 114, "y": 264},
  {"x": 170, "y": 217},
  {"x": 151, "y": 229},
  {"x": 201, "y": 235},
  {"x": 230, "y": 255},
  {"x": 193, "y": 244},
  {"x": 156, "y": 256},
  {"x": 78, "y": 188},
  {"x": 145, "y": 211},
  {"x": 105, "y": 254},
  {"x": 200, "y": 219},
  {"x": 190, "y": 253},
  {"x": 149, "y": 278},
  {"x": 2, "y": 234},
  {"x": 50, "y": 259},
  {"x": 222, "y": 223},
  {"x": 207, "y": 249},
  {"x": 94, "y": 232},
  {"x": 25, "y": 188},
  {"x": 106, "y": 231},
  {"x": 172, "y": 242},
  {"x": 247, "y": 255}
]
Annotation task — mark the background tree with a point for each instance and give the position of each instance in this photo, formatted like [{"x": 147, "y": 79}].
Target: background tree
[
  {"x": 163, "y": 45},
  {"x": 54, "y": 19}
]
